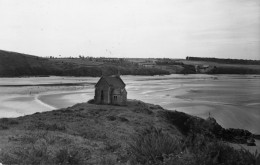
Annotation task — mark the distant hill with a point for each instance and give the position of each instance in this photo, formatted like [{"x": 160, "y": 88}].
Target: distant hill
[
  {"x": 223, "y": 66},
  {"x": 17, "y": 64},
  {"x": 225, "y": 61},
  {"x": 14, "y": 64},
  {"x": 199, "y": 65}
]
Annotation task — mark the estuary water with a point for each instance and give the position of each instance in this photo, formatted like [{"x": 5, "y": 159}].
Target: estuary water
[{"x": 233, "y": 100}]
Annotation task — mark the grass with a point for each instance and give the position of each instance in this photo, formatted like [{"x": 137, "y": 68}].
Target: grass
[
  {"x": 106, "y": 134},
  {"x": 209, "y": 127},
  {"x": 154, "y": 147},
  {"x": 6, "y": 122},
  {"x": 49, "y": 127},
  {"x": 17, "y": 64},
  {"x": 151, "y": 146},
  {"x": 69, "y": 156},
  {"x": 42, "y": 147},
  {"x": 120, "y": 118},
  {"x": 211, "y": 151},
  {"x": 3, "y": 127},
  {"x": 41, "y": 153},
  {"x": 92, "y": 134}
]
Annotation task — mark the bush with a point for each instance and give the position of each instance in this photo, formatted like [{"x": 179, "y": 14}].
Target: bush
[
  {"x": 91, "y": 101},
  {"x": 69, "y": 156},
  {"x": 206, "y": 151},
  {"x": 144, "y": 110},
  {"x": 123, "y": 119},
  {"x": 111, "y": 118},
  {"x": 111, "y": 147},
  {"x": 48, "y": 127},
  {"x": 3, "y": 127},
  {"x": 152, "y": 144},
  {"x": 92, "y": 134},
  {"x": 32, "y": 137},
  {"x": 41, "y": 153},
  {"x": 37, "y": 153},
  {"x": 107, "y": 161},
  {"x": 178, "y": 119},
  {"x": 6, "y": 122},
  {"x": 209, "y": 127},
  {"x": 41, "y": 148}
]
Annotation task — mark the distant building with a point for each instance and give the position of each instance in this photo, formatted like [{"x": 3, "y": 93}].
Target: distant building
[{"x": 110, "y": 90}]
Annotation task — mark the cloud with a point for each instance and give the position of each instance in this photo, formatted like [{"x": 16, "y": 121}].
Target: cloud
[{"x": 136, "y": 28}]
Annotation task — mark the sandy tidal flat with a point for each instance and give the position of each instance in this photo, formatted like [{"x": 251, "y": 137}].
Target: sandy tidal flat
[{"x": 234, "y": 100}]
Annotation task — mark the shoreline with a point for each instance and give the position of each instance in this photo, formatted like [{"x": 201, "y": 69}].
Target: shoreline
[
  {"x": 57, "y": 100},
  {"x": 184, "y": 95}
]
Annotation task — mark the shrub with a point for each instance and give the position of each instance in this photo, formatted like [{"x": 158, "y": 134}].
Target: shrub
[
  {"x": 120, "y": 118},
  {"x": 144, "y": 110},
  {"x": 107, "y": 161},
  {"x": 209, "y": 127},
  {"x": 8, "y": 121},
  {"x": 3, "y": 127},
  {"x": 69, "y": 156},
  {"x": 152, "y": 144},
  {"x": 207, "y": 151},
  {"x": 5, "y": 122},
  {"x": 123, "y": 119},
  {"x": 92, "y": 134},
  {"x": 37, "y": 153},
  {"x": 111, "y": 118},
  {"x": 91, "y": 101},
  {"x": 178, "y": 119},
  {"x": 41, "y": 148},
  {"x": 111, "y": 147},
  {"x": 48, "y": 127},
  {"x": 41, "y": 153},
  {"x": 32, "y": 137}
]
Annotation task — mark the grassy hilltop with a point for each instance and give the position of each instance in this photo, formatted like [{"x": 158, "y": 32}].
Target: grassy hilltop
[{"x": 138, "y": 133}]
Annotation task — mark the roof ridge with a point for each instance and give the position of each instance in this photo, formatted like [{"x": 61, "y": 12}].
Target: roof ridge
[{"x": 115, "y": 81}]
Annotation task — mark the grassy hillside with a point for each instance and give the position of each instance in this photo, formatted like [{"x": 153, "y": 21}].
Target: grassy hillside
[
  {"x": 138, "y": 133},
  {"x": 222, "y": 67},
  {"x": 16, "y": 64},
  {"x": 213, "y": 66},
  {"x": 225, "y": 60}
]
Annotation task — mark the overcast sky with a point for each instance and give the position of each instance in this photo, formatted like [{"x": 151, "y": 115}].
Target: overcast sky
[{"x": 132, "y": 28}]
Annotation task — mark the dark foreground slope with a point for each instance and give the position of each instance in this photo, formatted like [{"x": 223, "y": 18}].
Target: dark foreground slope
[
  {"x": 138, "y": 133},
  {"x": 16, "y": 64}
]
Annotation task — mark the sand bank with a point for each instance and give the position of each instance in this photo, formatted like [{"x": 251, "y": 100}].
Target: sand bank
[{"x": 234, "y": 100}]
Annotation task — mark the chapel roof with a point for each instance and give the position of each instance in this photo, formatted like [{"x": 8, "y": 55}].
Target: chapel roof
[{"x": 114, "y": 81}]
